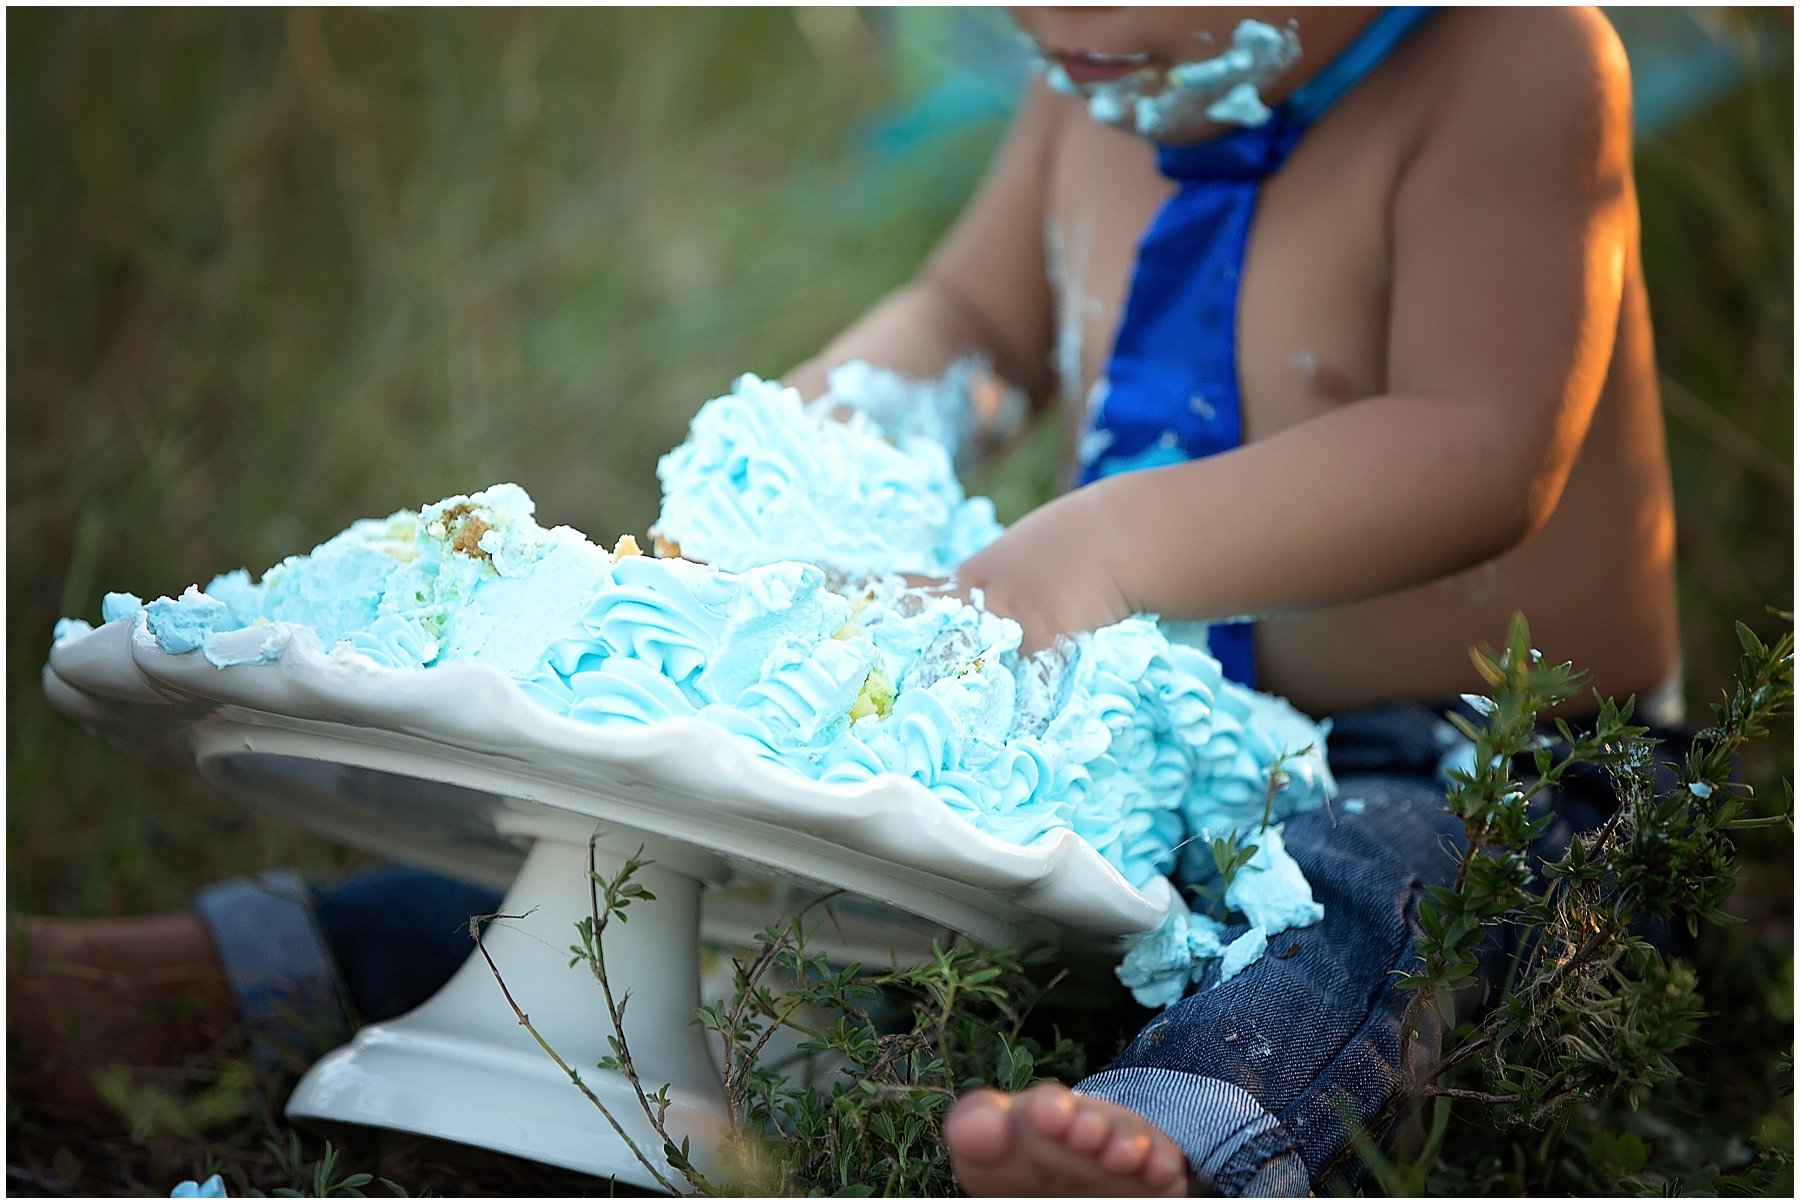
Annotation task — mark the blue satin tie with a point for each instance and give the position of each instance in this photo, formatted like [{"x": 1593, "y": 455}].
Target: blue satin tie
[{"x": 1170, "y": 389}]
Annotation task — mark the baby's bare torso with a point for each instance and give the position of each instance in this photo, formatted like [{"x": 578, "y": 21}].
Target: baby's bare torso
[{"x": 1596, "y": 582}]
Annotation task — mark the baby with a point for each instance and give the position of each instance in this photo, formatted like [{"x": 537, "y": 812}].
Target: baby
[{"x": 1348, "y": 308}]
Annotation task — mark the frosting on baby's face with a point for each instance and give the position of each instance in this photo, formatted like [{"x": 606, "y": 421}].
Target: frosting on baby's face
[{"x": 1169, "y": 77}]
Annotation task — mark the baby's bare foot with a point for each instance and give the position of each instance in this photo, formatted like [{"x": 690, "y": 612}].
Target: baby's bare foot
[{"x": 1048, "y": 1141}]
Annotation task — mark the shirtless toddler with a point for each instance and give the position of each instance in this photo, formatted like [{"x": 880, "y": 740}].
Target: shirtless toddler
[{"x": 1444, "y": 370}]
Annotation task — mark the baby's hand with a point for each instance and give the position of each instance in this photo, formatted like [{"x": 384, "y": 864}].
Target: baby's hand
[{"x": 1051, "y": 572}]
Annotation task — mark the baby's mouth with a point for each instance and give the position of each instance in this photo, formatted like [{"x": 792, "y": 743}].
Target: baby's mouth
[{"x": 1088, "y": 67}]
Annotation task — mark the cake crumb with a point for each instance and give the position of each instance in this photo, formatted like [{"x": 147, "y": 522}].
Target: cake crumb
[
  {"x": 666, "y": 549},
  {"x": 468, "y": 528},
  {"x": 876, "y": 696},
  {"x": 627, "y": 546},
  {"x": 468, "y": 538}
]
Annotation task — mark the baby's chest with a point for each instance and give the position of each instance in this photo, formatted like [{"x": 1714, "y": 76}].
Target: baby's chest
[{"x": 1311, "y": 293}]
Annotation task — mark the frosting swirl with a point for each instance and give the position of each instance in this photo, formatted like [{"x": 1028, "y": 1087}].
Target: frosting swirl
[{"x": 762, "y": 479}]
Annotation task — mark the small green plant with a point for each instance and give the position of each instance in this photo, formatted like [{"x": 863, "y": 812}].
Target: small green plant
[
  {"x": 1230, "y": 854},
  {"x": 321, "y": 1179},
  {"x": 879, "y": 1056},
  {"x": 608, "y": 900},
  {"x": 1229, "y": 857},
  {"x": 888, "y": 1052},
  {"x": 1590, "y": 1014}
]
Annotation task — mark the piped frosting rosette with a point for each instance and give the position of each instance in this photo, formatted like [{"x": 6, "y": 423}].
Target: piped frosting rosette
[{"x": 761, "y": 479}]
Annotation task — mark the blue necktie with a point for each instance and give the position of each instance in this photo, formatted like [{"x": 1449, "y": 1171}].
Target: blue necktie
[{"x": 1171, "y": 386}]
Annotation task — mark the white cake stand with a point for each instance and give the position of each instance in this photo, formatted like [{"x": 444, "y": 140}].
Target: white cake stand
[{"x": 455, "y": 769}]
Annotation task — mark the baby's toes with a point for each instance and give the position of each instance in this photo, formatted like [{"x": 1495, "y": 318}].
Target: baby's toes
[
  {"x": 1126, "y": 1154},
  {"x": 979, "y": 1128},
  {"x": 1051, "y": 1110},
  {"x": 1165, "y": 1171},
  {"x": 1090, "y": 1134}
]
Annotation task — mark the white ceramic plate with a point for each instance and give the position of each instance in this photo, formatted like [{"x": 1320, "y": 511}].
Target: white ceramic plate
[{"x": 456, "y": 768}]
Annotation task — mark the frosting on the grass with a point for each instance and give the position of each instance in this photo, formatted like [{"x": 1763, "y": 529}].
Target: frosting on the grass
[{"x": 801, "y": 639}]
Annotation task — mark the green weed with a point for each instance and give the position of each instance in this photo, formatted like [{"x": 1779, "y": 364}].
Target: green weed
[{"x": 880, "y": 1057}]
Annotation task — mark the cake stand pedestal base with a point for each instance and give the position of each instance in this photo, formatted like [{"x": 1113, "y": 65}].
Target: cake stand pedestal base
[{"x": 463, "y": 1067}]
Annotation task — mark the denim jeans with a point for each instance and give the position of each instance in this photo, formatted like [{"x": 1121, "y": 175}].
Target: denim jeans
[
  {"x": 1260, "y": 1080},
  {"x": 308, "y": 962}
]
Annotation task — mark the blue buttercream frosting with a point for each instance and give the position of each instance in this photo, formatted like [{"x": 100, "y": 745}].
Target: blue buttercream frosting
[
  {"x": 1159, "y": 967},
  {"x": 800, "y": 641},
  {"x": 395, "y": 642},
  {"x": 1241, "y": 952},
  {"x": 118, "y": 606},
  {"x": 761, "y": 478},
  {"x": 69, "y": 629},
  {"x": 182, "y": 624},
  {"x": 1270, "y": 889}
]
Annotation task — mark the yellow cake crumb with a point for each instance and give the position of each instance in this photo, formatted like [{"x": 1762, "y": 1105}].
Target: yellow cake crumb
[
  {"x": 627, "y": 546},
  {"x": 876, "y": 696}
]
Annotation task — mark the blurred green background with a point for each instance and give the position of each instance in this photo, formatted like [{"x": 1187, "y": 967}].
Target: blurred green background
[{"x": 270, "y": 271}]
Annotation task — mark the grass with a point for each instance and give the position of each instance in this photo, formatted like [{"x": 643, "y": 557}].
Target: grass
[{"x": 269, "y": 271}]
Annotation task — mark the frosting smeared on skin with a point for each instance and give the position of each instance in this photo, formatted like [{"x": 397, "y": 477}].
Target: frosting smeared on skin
[{"x": 1182, "y": 102}]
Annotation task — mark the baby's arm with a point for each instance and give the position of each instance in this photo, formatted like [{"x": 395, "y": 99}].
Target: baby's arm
[
  {"x": 1511, "y": 227},
  {"x": 983, "y": 291}
]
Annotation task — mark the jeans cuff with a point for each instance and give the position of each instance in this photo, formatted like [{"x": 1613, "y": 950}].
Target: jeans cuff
[
  {"x": 278, "y": 967},
  {"x": 1233, "y": 1144}
]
